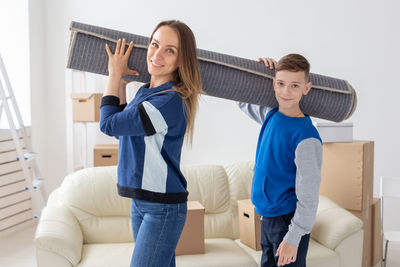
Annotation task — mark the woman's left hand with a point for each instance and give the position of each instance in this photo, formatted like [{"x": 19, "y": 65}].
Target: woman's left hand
[{"x": 118, "y": 62}]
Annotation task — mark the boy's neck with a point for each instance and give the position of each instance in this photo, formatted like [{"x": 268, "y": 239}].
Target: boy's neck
[{"x": 291, "y": 112}]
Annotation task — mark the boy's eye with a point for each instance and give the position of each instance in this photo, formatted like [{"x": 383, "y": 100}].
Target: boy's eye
[
  {"x": 295, "y": 85},
  {"x": 280, "y": 83}
]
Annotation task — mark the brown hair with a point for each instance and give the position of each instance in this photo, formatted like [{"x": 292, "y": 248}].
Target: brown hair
[
  {"x": 295, "y": 63},
  {"x": 187, "y": 80}
]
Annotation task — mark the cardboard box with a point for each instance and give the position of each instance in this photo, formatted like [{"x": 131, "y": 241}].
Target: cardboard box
[
  {"x": 105, "y": 155},
  {"x": 192, "y": 237},
  {"x": 347, "y": 174},
  {"x": 365, "y": 216},
  {"x": 335, "y": 132},
  {"x": 376, "y": 246},
  {"x": 249, "y": 224},
  {"x": 86, "y": 107}
]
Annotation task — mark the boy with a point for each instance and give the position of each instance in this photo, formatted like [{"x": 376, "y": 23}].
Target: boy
[{"x": 287, "y": 171}]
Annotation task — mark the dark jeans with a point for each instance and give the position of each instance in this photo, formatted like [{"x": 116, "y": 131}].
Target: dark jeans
[{"x": 273, "y": 229}]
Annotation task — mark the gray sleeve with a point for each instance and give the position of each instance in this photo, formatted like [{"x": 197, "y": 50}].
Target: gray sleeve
[
  {"x": 308, "y": 159},
  {"x": 255, "y": 112}
]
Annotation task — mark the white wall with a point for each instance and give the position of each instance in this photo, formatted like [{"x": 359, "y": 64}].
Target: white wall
[
  {"x": 38, "y": 82},
  {"x": 14, "y": 49},
  {"x": 355, "y": 40}
]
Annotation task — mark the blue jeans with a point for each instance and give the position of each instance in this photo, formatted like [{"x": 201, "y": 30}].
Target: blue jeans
[
  {"x": 156, "y": 230},
  {"x": 273, "y": 229}
]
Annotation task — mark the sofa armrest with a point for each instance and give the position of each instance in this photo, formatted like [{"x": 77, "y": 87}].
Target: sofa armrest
[
  {"x": 46, "y": 258},
  {"x": 350, "y": 250},
  {"x": 59, "y": 232},
  {"x": 333, "y": 224}
]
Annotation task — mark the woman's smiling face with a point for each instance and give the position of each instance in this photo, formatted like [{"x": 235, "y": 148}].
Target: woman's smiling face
[{"x": 162, "y": 54}]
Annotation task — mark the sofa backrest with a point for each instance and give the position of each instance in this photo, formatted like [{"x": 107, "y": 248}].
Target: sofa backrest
[
  {"x": 218, "y": 188},
  {"x": 91, "y": 195},
  {"x": 104, "y": 216}
]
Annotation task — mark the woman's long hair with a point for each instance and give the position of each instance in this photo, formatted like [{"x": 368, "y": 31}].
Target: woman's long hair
[{"x": 186, "y": 79}]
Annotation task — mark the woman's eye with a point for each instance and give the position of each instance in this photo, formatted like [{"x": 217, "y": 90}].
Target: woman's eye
[
  {"x": 170, "y": 51},
  {"x": 154, "y": 44}
]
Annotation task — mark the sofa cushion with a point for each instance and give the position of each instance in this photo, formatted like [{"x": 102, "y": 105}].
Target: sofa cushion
[
  {"x": 333, "y": 223},
  {"x": 317, "y": 255},
  {"x": 240, "y": 176},
  {"x": 219, "y": 252},
  {"x": 94, "y": 190},
  {"x": 208, "y": 184},
  {"x": 218, "y": 225},
  {"x": 91, "y": 195},
  {"x": 106, "y": 255},
  {"x": 110, "y": 229}
]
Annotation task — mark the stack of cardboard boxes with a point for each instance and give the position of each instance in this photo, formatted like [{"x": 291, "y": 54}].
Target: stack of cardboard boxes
[
  {"x": 86, "y": 108},
  {"x": 347, "y": 179}
]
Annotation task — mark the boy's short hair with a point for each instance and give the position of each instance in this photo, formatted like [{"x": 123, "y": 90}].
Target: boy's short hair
[{"x": 295, "y": 63}]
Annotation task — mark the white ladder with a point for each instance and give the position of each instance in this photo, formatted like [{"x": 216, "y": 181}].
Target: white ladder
[{"x": 33, "y": 179}]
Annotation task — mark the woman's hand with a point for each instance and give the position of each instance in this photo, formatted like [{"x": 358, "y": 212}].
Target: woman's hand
[
  {"x": 118, "y": 67},
  {"x": 269, "y": 62},
  {"x": 118, "y": 62}
]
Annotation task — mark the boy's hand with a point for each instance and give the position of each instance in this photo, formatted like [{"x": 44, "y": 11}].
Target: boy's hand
[
  {"x": 269, "y": 62},
  {"x": 287, "y": 253}
]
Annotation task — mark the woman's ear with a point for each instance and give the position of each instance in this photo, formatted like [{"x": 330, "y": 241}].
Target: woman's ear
[{"x": 308, "y": 88}]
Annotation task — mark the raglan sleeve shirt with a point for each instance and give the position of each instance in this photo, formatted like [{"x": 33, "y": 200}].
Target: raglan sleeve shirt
[
  {"x": 256, "y": 112},
  {"x": 308, "y": 160},
  {"x": 145, "y": 119}
]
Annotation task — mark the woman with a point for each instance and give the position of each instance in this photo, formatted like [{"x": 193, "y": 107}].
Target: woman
[{"x": 151, "y": 130}]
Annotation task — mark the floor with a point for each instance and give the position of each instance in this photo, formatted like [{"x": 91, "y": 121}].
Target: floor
[{"x": 17, "y": 249}]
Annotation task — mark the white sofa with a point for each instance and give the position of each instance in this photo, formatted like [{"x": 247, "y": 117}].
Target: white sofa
[{"x": 86, "y": 223}]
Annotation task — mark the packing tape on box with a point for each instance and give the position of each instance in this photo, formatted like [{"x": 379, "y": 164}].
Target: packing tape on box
[{"x": 223, "y": 76}]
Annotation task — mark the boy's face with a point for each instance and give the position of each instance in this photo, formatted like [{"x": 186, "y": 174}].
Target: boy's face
[{"x": 289, "y": 87}]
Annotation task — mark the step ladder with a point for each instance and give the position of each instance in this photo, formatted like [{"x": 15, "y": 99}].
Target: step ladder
[{"x": 34, "y": 181}]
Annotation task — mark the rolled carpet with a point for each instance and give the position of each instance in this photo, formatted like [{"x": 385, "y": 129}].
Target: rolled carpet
[{"x": 222, "y": 75}]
